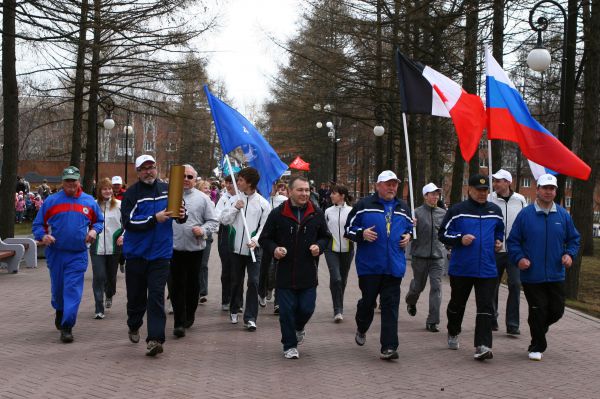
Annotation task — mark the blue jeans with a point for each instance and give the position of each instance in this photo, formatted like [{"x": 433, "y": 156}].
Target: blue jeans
[
  {"x": 146, "y": 280},
  {"x": 388, "y": 289},
  {"x": 295, "y": 310}
]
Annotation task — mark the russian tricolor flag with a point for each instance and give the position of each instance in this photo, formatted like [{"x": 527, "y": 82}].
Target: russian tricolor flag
[
  {"x": 509, "y": 119},
  {"x": 423, "y": 90}
]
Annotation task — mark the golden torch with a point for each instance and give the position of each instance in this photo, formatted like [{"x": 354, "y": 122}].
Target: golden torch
[{"x": 175, "y": 199}]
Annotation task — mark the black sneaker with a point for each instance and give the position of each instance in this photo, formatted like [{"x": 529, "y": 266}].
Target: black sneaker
[
  {"x": 411, "y": 309},
  {"x": 432, "y": 327},
  {"x": 134, "y": 336},
  {"x": 66, "y": 335},
  {"x": 108, "y": 303},
  {"x": 389, "y": 354},
  {"x": 360, "y": 338},
  {"x": 494, "y": 325},
  {"x": 513, "y": 331},
  {"x": 58, "y": 319},
  {"x": 482, "y": 352},
  {"x": 276, "y": 309},
  {"x": 179, "y": 332},
  {"x": 154, "y": 348}
]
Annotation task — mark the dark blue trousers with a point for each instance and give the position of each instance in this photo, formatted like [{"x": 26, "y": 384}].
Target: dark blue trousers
[
  {"x": 388, "y": 289},
  {"x": 295, "y": 310},
  {"x": 146, "y": 280}
]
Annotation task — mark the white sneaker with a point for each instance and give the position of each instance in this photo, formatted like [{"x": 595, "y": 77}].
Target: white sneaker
[
  {"x": 300, "y": 336},
  {"x": 234, "y": 318},
  {"x": 262, "y": 301},
  {"x": 291, "y": 353},
  {"x": 338, "y": 318},
  {"x": 453, "y": 342},
  {"x": 537, "y": 356},
  {"x": 170, "y": 308},
  {"x": 99, "y": 316},
  {"x": 250, "y": 325},
  {"x": 269, "y": 295}
]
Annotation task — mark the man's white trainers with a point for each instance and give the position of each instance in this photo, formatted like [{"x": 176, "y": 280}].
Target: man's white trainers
[
  {"x": 291, "y": 353},
  {"x": 537, "y": 356},
  {"x": 300, "y": 336},
  {"x": 234, "y": 318},
  {"x": 99, "y": 316},
  {"x": 338, "y": 318},
  {"x": 453, "y": 342},
  {"x": 262, "y": 301},
  {"x": 250, "y": 325}
]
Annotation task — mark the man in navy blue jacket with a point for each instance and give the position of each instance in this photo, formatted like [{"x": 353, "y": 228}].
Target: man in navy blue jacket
[
  {"x": 380, "y": 225},
  {"x": 148, "y": 249},
  {"x": 542, "y": 243},
  {"x": 474, "y": 229}
]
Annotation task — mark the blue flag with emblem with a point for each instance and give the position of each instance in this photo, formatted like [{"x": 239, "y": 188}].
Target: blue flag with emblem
[{"x": 235, "y": 131}]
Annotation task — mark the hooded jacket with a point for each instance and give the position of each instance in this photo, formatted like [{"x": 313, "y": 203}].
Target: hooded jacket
[
  {"x": 510, "y": 210},
  {"x": 543, "y": 239},
  {"x": 336, "y": 217},
  {"x": 427, "y": 244},
  {"x": 298, "y": 268},
  {"x": 106, "y": 242}
]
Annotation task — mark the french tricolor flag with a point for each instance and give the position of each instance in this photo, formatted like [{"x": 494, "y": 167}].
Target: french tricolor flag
[
  {"x": 423, "y": 90},
  {"x": 509, "y": 119}
]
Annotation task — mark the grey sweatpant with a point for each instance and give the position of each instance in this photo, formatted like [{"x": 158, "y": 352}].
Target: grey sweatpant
[{"x": 434, "y": 268}]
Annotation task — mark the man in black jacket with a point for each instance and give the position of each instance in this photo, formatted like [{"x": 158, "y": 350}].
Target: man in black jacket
[{"x": 296, "y": 234}]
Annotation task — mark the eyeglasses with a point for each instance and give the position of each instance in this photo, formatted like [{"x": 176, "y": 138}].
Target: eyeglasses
[
  {"x": 146, "y": 168},
  {"x": 189, "y": 177}
]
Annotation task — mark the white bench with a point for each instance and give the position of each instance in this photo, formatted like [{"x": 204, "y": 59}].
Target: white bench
[
  {"x": 11, "y": 254},
  {"x": 31, "y": 249}
]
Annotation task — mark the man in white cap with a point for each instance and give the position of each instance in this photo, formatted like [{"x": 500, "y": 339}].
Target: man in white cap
[
  {"x": 117, "y": 186},
  {"x": 543, "y": 242},
  {"x": 510, "y": 204},
  {"x": 427, "y": 257},
  {"x": 148, "y": 249},
  {"x": 380, "y": 224}
]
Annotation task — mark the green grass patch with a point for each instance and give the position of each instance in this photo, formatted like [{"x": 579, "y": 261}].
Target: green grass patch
[
  {"x": 589, "y": 284},
  {"x": 23, "y": 229}
]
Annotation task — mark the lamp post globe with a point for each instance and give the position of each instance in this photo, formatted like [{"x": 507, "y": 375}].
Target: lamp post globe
[
  {"x": 329, "y": 125},
  {"x": 109, "y": 123},
  {"x": 378, "y": 130},
  {"x": 539, "y": 59},
  {"x": 319, "y": 125},
  {"x": 129, "y": 129}
]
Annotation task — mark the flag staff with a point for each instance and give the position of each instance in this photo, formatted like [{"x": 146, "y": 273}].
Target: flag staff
[
  {"x": 237, "y": 192},
  {"x": 490, "y": 170},
  {"x": 410, "y": 186}
]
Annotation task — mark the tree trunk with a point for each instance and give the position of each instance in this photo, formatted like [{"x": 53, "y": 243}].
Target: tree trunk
[
  {"x": 470, "y": 76},
  {"x": 10, "y": 97},
  {"x": 79, "y": 87},
  {"x": 582, "y": 208},
  {"x": 458, "y": 170}
]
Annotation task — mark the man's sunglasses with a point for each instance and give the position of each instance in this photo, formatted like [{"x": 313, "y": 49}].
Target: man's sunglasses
[{"x": 189, "y": 177}]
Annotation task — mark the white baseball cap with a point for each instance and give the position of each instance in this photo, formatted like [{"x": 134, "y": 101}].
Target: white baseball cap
[
  {"x": 386, "y": 175},
  {"x": 429, "y": 188},
  {"x": 139, "y": 161},
  {"x": 117, "y": 180},
  {"x": 547, "y": 180},
  {"x": 503, "y": 174}
]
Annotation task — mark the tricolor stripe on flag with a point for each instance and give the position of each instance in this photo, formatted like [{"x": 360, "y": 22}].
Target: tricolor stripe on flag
[
  {"x": 509, "y": 119},
  {"x": 423, "y": 90}
]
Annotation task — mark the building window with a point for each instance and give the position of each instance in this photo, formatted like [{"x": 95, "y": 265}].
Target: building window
[
  {"x": 483, "y": 162},
  {"x": 148, "y": 145},
  {"x": 171, "y": 146},
  {"x": 351, "y": 158},
  {"x": 465, "y": 197},
  {"x": 351, "y": 177},
  {"x": 567, "y": 202},
  {"x": 526, "y": 182},
  {"x": 568, "y": 183},
  {"x": 121, "y": 146}
]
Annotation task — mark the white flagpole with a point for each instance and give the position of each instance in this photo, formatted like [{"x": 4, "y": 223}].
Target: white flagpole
[
  {"x": 237, "y": 192},
  {"x": 490, "y": 170},
  {"x": 410, "y": 186}
]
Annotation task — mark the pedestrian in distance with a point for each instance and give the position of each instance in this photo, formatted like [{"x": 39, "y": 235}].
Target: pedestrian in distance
[
  {"x": 296, "y": 234},
  {"x": 380, "y": 225},
  {"x": 474, "y": 229},
  {"x": 106, "y": 250},
  {"x": 67, "y": 223},
  {"x": 428, "y": 255},
  {"x": 510, "y": 204},
  {"x": 189, "y": 245},
  {"x": 340, "y": 251},
  {"x": 148, "y": 249},
  {"x": 543, "y": 243},
  {"x": 205, "y": 187}
]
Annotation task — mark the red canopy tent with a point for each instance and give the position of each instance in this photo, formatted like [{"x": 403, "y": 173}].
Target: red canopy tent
[{"x": 299, "y": 164}]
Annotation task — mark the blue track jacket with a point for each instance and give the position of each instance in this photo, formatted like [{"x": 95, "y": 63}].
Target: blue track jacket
[
  {"x": 485, "y": 222},
  {"x": 68, "y": 219},
  {"x": 543, "y": 239},
  {"x": 144, "y": 237},
  {"x": 384, "y": 255}
]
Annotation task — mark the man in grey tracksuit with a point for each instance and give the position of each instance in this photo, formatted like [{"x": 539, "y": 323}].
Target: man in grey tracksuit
[{"x": 427, "y": 257}]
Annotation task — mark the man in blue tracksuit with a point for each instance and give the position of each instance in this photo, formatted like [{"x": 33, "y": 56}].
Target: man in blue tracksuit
[
  {"x": 67, "y": 223},
  {"x": 542, "y": 243},
  {"x": 380, "y": 225},
  {"x": 148, "y": 248},
  {"x": 475, "y": 230}
]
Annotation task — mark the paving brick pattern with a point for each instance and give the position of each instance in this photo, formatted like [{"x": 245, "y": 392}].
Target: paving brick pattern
[{"x": 220, "y": 360}]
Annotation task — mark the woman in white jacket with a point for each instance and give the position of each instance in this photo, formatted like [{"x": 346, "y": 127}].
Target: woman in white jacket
[
  {"x": 340, "y": 250},
  {"x": 105, "y": 252}
]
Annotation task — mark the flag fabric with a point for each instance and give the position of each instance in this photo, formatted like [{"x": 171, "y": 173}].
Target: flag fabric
[
  {"x": 509, "y": 119},
  {"x": 423, "y": 90},
  {"x": 236, "y": 131},
  {"x": 300, "y": 164}
]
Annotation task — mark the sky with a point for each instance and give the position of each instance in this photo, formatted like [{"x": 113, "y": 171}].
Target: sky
[{"x": 241, "y": 52}]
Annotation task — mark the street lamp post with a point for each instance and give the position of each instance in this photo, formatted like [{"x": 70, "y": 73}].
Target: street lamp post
[
  {"x": 128, "y": 130},
  {"x": 539, "y": 60},
  {"x": 333, "y": 134},
  {"x": 108, "y": 106}
]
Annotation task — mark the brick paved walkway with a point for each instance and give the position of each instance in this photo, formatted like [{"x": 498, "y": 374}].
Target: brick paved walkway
[{"x": 220, "y": 360}]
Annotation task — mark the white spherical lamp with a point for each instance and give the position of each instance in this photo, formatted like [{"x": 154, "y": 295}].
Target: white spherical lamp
[
  {"x": 109, "y": 123},
  {"x": 539, "y": 59},
  {"x": 378, "y": 130}
]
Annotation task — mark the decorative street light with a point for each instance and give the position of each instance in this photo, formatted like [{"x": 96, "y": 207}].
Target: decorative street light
[
  {"x": 332, "y": 134},
  {"x": 108, "y": 106},
  {"x": 128, "y": 130},
  {"x": 378, "y": 130}
]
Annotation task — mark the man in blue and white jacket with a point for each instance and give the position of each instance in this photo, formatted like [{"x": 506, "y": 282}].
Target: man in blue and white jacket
[
  {"x": 475, "y": 230},
  {"x": 542, "y": 243},
  {"x": 148, "y": 248},
  {"x": 380, "y": 225}
]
